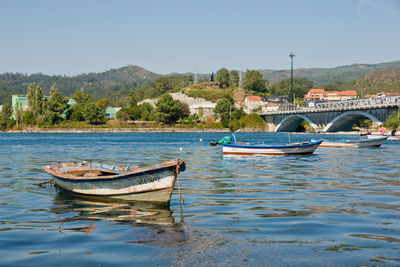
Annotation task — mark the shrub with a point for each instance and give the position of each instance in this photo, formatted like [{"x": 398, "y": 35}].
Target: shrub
[{"x": 253, "y": 121}]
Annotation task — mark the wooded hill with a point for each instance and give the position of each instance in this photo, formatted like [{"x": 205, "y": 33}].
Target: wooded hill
[
  {"x": 375, "y": 82},
  {"x": 105, "y": 84},
  {"x": 118, "y": 83},
  {"x": 322, "y": 76}
]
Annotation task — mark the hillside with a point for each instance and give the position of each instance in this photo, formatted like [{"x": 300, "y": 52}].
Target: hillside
[
  {"x": 104, "y": 84},
  {"x": 322, "y": 76},
  {"x": 376, "y": 82},
  {"x": 117, "y": 83}
]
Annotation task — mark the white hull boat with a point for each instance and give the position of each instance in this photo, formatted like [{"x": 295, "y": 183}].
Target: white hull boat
[
  {"x": 239, "y": 148},
  {"x": 153, "y": 184},
  {"x": 369, "y": 142}
]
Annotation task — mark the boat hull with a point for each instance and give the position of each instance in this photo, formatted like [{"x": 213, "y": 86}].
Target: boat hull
[
  {"x": 390, "y": 137},
  {"x": 162, "y": 196},
  {"x": 287, "y": 149},
  {"x": 376, "y": 142},
  {"x": 153, "y": 185}
]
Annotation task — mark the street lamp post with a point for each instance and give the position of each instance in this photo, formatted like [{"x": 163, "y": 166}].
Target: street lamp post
[{"x": 291, "y": 55}]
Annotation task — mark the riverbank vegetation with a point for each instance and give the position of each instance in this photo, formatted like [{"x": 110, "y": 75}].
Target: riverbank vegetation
[
  {"x": 58, "y": 111},
  {"x": 88, "y": 108}
]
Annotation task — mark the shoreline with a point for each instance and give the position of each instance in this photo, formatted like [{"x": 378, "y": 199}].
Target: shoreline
[
  {"x": 156, "y": 130},
  {"x": 116, "y": 130}
]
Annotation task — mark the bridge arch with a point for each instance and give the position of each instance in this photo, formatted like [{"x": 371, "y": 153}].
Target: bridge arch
[
  {"x": 291, "y": 122},
  {"x": 345, "y": 121}
]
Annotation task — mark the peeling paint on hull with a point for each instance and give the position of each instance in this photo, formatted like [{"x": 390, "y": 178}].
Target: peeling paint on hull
[{"x": 153, "y": 184}]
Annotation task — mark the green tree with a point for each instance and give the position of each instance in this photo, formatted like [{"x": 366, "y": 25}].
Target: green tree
[
  {"x": 76, "y": 112},
  {"x": 254, "y": 81},
  {"x": 161, "y": 86},
  {"x": 223, "y": 110},
  {"x": 28, "y": 117},
  {"x": 5, "y": 115},
  {"x": 132, "y": 100},
  {"x": 81, "y": 97},
  {"x": 185, "y": 110},
  {"x": 237, "y": 114},
  {"x": 223, "y": 78},
  {"x": 31, "y": 95},
  {"x": 55, "y": 107},
  {"x": 233, "y": 78},
  {"x": 103, "y": 103},
  {"x": 300, "y": 87},
  {"x": 19, "y": 114},
  {"x": 392, "y": 122},
  {"x": 146, "y": 111},
  {"x": 168, "y": 110},
  {"x": 35, "y": 99},
  {"x": 253, "y": 121},
  {"x": 93, "y": 113}
]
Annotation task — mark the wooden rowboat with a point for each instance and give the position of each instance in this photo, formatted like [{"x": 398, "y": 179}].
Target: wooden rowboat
[
  {"x": 369, "y": 142},
  {"x": 153, "y": 184},
  {"x": 239, "y": 148}
]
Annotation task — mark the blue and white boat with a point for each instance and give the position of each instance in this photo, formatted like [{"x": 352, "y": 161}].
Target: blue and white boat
[
  {"x": 153, "y": 184},
  {"x": 240, "y": 148}
]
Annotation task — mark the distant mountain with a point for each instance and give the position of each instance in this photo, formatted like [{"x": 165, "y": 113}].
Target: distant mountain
[
  {"x": 104, "y": 84},
  {"x": 117, "y": 83},
  {"x": 375, "y": 82},
  {"x": 322, "y": 76}
]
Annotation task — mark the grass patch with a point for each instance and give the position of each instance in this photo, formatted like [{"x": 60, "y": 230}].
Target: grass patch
[{"x": 210, "y": 94}]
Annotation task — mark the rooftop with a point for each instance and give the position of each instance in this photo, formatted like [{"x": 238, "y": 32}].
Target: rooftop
[{"x": 253, "y": 98}]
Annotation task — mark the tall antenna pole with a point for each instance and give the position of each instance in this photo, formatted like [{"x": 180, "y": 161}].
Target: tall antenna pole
[
  {"x": 240, "y": 80},
  {"x": 195, "y": 74},
  {"x": 291, "y": 55}
]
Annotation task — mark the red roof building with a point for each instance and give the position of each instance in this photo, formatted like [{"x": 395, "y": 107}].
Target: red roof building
[
  {"x": 251, "y": 102},
  {"x": 314, "y": 94},
  {"x": 253, "y": 98},
  {"x": 328, "y": 96}
]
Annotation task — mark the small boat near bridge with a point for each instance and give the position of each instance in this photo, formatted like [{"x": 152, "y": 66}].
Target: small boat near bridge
[
  {"x": 356, "y": 143},
  {"x": 241, "y": 148}
]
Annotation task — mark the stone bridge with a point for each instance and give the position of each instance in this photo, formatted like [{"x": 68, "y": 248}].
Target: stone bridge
[{"x": 333, "y": 116}]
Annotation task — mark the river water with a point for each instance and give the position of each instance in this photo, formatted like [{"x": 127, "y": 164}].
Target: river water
[{"x": 334, "y": 207}]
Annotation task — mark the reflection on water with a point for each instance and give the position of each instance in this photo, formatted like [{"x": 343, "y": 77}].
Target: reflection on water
[
  {"x": 334, "y": 207},
  {"x": 155, "y": 219}
]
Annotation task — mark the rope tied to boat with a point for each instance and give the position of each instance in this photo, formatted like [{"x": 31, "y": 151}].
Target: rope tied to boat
[{"x": 179, "y": 163}]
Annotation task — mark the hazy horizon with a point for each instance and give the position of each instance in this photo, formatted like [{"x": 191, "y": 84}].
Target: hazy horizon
[{"x": 75, "y": 37}]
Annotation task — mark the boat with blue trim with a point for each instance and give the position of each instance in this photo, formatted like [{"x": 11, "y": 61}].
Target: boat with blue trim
[
  {"x": 241, "y": 148},
  {"x": 357, "y": 143},
  {"x": 152, "y": 184}
]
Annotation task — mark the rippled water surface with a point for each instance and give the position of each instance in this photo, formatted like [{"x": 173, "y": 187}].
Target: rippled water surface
[{"x": 335, "y": 207}]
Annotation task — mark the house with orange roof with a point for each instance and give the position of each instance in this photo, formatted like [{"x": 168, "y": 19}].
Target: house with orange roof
[
  {"x": 271, "y": 106},
  {"x": 348, "y": 95},
  {"x": 315, "y": 94},
  {"x": 320, "y": 95},
  {"x": 332, "y": 96},
  {"x": 392, "y": 94},
  {"x": 251, "y": 102},
  {"x": 368, "y": 96}
]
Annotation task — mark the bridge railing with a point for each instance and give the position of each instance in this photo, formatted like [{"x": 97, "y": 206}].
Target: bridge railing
[{"x": 376, "y": 102}]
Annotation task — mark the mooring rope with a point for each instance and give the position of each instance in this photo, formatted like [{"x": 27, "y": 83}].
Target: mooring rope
[{"x": 181, "y": 200}]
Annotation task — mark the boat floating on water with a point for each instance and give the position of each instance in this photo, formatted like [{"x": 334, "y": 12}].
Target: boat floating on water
[
  {"x": 368, "y": 142},
  {"x": 241, "y": 148},
  {"x": 390, "y": 137},
  {"x": 150, "y": 184}
]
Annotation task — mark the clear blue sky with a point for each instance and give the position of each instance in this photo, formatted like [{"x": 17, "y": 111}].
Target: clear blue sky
[{"x": 72, "y": 37}]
